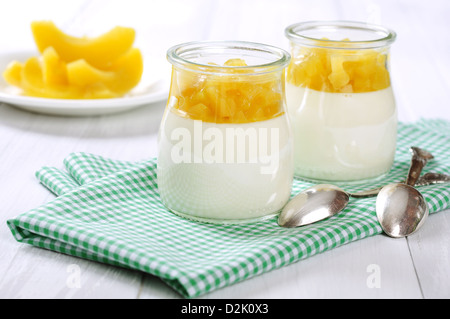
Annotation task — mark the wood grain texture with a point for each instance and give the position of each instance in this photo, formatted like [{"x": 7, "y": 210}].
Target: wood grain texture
[{"x": 417, "y": 267}]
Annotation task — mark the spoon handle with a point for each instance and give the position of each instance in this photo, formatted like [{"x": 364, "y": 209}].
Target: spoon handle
[
  {"x": 433, "y": 178},
  {"x": 366, "y": 193},
  {"x": 419, "y": 159},
  {"x": 427, "y": 179}
]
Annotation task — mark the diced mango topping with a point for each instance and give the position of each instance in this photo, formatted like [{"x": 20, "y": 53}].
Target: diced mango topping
[
  {"x": 233, "y": 97},
  {"x": 78, "y": 68},
  {"x": 339, "y": 70}
]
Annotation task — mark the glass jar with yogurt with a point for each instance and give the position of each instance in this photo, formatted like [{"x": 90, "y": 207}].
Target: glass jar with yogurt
[
  {"x": 340, "y": 100},
  {"x": 225, "y": 144}
]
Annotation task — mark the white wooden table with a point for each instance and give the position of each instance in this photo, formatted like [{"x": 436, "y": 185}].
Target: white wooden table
[{"x": 376, "y": 267}]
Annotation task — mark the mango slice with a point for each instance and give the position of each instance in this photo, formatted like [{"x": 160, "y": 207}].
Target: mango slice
[
  {"x": 339, "y": 70},
  {"x": 123, "y": 75},
  {"x": 56, "y": 75},
  {"x": 234, "y": 98},
  {"x": 99, "y": 52},
  {"x": 50, "y": 77},
  {"x": 13, "y": 73},
  {"x": 54, "y": 71},
  {"x": 33, "y": 84}
]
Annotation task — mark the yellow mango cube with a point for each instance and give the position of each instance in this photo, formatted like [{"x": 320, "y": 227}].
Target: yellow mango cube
[
  {"x": 339, "y": 70},
  {"x": 227, "y": 99}
]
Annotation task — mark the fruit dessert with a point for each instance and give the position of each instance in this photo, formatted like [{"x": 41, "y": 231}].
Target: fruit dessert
[
  {"x": 225, "y": 144},
  {"x": 107, "y": 66},
  {"x": 342, "y": 109},
  {"x": 339, "y": 70},
  {"x": 219, "y": 99}
]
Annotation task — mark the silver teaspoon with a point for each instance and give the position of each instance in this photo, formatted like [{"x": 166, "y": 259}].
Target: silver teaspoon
[
  {"x": 313, "y": 204},
  {"x": 324, "y": 200},
  {"x": 401, "y": 210}
]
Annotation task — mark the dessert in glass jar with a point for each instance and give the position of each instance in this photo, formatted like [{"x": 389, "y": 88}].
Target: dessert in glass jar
[
  {"x": 340, "y": 101},
  {"x": 225, "y": 144}
]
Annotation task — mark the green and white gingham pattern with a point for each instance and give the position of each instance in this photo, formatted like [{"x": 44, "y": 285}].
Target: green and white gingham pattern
[{"x": 110, "y": 211}]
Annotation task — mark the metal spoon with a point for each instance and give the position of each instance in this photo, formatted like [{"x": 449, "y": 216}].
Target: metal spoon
[
  {"x": 313, "y": 204},
  {"x": 324, "y": 200},
  {"x": 401, "y": 210}
]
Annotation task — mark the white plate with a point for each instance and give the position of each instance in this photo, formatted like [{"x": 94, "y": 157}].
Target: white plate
[{"x": 153, "y": 87}]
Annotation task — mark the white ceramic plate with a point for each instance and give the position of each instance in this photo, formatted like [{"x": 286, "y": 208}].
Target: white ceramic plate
[{"x": 153, "y": 87}]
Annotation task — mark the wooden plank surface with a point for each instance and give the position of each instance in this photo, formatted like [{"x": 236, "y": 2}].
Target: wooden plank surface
[{"x": 376, "y": 267}]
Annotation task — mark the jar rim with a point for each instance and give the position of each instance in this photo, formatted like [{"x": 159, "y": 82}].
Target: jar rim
[
  {"x": 178, "y": 56},
  {"x": 386, "y": 36}
]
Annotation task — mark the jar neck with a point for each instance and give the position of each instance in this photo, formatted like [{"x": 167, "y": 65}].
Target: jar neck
[
  {"x": 210, "y": 57},
  {"x": 346, "y": 35}
]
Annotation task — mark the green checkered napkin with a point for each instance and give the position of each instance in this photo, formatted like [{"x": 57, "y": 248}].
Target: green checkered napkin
[{"x": 110, "y": 211}]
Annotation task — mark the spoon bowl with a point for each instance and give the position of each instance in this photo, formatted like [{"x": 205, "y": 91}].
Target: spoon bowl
[
  {"x": 401, "y": 210},
  {"x": 325, "y": 200},
  {"x": 312, "y": 205}
]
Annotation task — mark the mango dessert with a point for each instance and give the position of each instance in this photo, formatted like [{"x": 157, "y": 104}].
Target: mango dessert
[
  {"x": 78, "y": 68},
  {"x": 217, "y": 99},
  {"x": 345, "y": 71},
  {"x": 340, "y": 101},
  {"x": 225, "y": 149}
]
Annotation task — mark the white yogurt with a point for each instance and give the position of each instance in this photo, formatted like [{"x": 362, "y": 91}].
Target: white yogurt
[
  {"x": 342, "y": 136},
  {"x": 225, "y": 172}
]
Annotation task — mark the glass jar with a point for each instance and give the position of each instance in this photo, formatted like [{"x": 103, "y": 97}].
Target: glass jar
[
  {"x": 225, "y": 144},
  {"x": 340, "y": 100}
]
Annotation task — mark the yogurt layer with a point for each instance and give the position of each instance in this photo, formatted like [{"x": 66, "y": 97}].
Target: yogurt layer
[
  {"x": 342, "y": 136},
  {"x": 198, "y": 178}
]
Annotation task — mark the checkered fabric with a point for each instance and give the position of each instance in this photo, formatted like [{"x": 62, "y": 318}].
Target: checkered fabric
[{"x": 110, "y": 211}]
